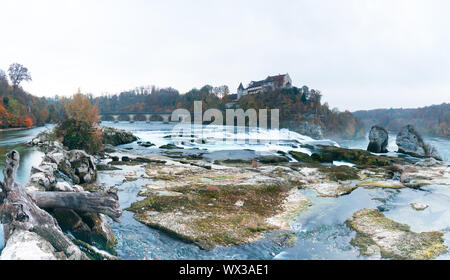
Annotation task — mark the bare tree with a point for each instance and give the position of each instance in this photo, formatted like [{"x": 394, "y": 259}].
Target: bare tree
[
  {"x": 3, "y": 78},
  {"x": 17, "y": 74}
]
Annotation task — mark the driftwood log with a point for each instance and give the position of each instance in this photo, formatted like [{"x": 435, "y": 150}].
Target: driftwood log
[
  {"x": 20, "y": 210},
  {"x": 99, "y": 202}
]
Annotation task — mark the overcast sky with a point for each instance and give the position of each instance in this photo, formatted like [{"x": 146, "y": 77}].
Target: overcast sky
[{"x": 360, "y": 54}]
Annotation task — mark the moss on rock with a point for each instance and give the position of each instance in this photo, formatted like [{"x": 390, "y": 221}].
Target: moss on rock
[
  {"x": 394, "y": 240},
  {"x": 356, "y": 156},
  {"x": 302, "y": 157},
  {"x": 209, "y": 217}
]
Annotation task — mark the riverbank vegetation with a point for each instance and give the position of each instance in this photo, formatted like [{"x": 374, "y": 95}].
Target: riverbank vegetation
[
  {"x": 19, "y": 108},
  {"x": 432, "y": 120}
]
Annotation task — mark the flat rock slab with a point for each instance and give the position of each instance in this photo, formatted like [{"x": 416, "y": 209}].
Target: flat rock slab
[
  {"x": 394, "y": 240},
  {"x": 219, "y": 207}
]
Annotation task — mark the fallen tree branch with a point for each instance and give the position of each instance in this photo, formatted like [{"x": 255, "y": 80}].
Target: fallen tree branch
[{"x": 99, "y": 202}]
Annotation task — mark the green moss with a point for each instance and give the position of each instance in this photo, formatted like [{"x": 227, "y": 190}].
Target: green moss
[
  {"x": 360, "y": 157},
  {"x": 216, "y": 220},
  {"x": 399, "y": 242},
  {"x": 302, "y": 157},
  {"x": 106, "y": 167},
  {"x": 235, "y": 162},
  {"x": 339, "y": 173},
  {"x": 325, "y": 158},
  {"x": 229, "y": 230},
  {"x": 91, "y": 252}
]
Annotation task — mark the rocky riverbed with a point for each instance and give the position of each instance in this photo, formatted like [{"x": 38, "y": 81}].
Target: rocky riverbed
[
  {"x": 245, "y": 202},
  {"x": 231, "y": 202}
]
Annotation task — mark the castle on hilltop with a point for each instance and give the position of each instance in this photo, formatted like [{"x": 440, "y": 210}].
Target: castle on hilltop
[{"x": 270, "y": 83}]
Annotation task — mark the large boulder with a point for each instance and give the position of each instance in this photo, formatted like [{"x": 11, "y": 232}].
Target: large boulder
[
  {"x": 410, "y": 142},
  {"x": 378, "y": 138},
  {"x": 61, "y": 171},
  {"x": 26, "y": 245},
  {"x": 78, "y": 166},
  {"x": 117, "y": 137},
  {"x": 43, "y": 179},
  {"x": 42, "y": 139}
]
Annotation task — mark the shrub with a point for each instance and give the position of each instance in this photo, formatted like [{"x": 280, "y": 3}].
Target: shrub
[
  {"x": 79, "y": 128},
  {"x": 80, "y": 135}
]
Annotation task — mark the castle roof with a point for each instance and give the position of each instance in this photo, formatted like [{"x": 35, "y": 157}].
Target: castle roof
[{"x": 277, "y": 80}]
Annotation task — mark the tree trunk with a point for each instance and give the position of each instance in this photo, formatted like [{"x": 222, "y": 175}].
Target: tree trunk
[
  {"x": 19, "y": 212},
  {"x": 99, "y": 202}
]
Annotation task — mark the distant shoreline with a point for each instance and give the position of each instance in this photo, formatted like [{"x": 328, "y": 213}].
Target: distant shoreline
[{"x": 16, "y": 128}]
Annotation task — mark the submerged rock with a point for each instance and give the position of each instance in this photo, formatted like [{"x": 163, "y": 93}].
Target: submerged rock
[
  {"x": 356, "y": 156},
  {"x": 170, "y": 147},
  {"x": 378, "y": 138},
  {"x": 324, "y": 158},
  {"x": 115, "y": 137},
  {"x": 146, "y": 144},
  {"x": 385, "y": 184},
  {"x": 428, "y": 162},
  {"x": 410, "y": 142},
  {"x": 419, "y": 206},
  {"x": 393, "y": 239},
  {"x": 415, "y": 176},
  {"x": 332, "y": 189},
  {"x": 301, "y": 157},
  {"x": 272, "y": 159}
]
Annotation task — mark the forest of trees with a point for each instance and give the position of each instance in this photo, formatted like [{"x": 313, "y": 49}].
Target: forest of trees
[
  {"x": 296, "y": 105},
  {"x": 165, "y": 100},
  {"x": 21, "y": 109},
  {"x": 304, "y": 105},
  {"x": 432, "y": 120}
]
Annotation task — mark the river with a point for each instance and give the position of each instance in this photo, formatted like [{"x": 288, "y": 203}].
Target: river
[{"x": 321, "y": 231}]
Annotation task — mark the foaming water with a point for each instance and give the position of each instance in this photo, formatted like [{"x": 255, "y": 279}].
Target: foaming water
[
  {"x": 321, "y": 230},
  {"x": 220, "y": 138}
]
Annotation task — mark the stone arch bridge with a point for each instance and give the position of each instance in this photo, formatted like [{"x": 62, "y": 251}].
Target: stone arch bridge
[{"x": 148, "y": 117}]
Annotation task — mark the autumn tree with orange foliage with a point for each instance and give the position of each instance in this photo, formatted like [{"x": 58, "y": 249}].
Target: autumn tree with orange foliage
[
  {"x": 81, "y": 109},
  {"x": 79, "y": 128},
  {"x": 28, "y": 122}
]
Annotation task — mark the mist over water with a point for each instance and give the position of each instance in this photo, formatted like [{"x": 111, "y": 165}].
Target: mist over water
[{"x": 213, "y": 138}]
